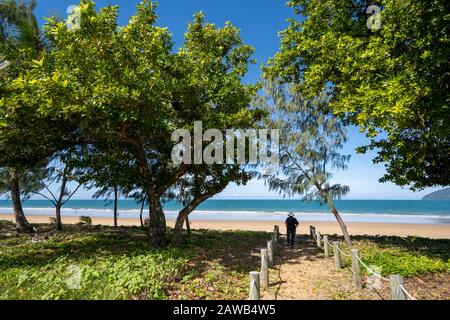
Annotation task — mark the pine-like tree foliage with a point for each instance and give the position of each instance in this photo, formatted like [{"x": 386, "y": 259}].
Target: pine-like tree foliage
[{"x": 311, "y": 139}]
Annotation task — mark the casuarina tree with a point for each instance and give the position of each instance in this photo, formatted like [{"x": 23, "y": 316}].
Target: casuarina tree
[{"x": 310, "y": 142}]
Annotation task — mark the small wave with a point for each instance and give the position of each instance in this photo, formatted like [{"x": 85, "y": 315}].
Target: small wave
[{"x": 252, "y": 215}]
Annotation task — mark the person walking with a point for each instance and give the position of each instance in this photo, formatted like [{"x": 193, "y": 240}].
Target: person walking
[{"x": 291, "y": 226}]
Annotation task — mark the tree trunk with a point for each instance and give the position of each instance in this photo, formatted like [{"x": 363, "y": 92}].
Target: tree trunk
[
  {"x": 58, "y": 216},
  {"x": 157, "y": 225},
  {"x": 59, "y": 203},
  {"x": 142, "y": 211},
  {"x": 188, "y": 225},
  {"x": 348, "y": 241},
  {"x": 115, "y": 205},
  {"x": 183, "y": 215},
  {"x": 22, "y": 224},
  {"x": 178, "y": 230}
]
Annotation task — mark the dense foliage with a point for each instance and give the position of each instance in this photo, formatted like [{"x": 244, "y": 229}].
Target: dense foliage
[
  {"x": 121, "y": 91},
  {"x": 392, "y": 81},
  {"x": 409, "y": 257}
]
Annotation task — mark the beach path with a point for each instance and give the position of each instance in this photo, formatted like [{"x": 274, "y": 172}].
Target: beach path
[{"x": 303, "y": 273}]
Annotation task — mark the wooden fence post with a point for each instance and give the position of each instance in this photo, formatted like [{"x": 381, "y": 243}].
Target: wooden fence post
[
  {"x": 326, "y": 246},
  {"x": 311, "y": 234},
  {"x": 274, "y": 239},
  {"x": 313, "y": 231},
  {"x": 264, "y": 273},
  {"x": 254, "y": 286},
  {"x": 357, "y": 281},
  {"x": 337, "y": 255},
  {"x": 276, "y": 230},
  {"x": 270, "y": 252},
  {"x": 397, "y": 292},
  {"x": 318, "y": 239}
]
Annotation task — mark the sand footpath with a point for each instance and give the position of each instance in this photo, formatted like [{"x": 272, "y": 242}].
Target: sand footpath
[{"x": 438, "y": 231}]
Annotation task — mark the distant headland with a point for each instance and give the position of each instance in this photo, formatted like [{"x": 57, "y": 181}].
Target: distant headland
[{"x": 443, "y": 194}]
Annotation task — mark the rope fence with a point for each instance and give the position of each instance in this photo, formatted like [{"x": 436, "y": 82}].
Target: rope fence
[
  {"x": 260, "y": 278},
  {"x": 343, "y": 253},
  {"x": 378, "y": 275},
  {"x": 398, "y": 291},
  {"x": 406, "y": 292}
]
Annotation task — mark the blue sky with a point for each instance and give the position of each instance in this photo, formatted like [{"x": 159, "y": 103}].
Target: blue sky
[{"x": 260, "y": 22}]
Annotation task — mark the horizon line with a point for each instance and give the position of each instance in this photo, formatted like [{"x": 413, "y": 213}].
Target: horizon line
[{"x": 249, "y": 199}]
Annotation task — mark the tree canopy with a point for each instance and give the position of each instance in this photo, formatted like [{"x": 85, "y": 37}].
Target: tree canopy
[
  {"x": 391, "y": 81},
  {"x": 125, "y": 88}
]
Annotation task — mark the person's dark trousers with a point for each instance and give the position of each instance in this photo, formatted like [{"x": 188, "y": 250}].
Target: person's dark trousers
[{"x": 290, "y": 237}]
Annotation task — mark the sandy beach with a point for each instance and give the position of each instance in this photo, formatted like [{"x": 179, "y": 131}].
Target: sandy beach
[{"x": 436, "y": 231}]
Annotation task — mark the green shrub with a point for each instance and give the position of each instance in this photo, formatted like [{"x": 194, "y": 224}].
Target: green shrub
[{"x": 95, "y": 262}]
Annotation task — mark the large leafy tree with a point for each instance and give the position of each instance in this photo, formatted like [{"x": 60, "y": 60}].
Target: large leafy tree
[
  {"x": 391, "y": 78},
  {"x": 126, "y": 87},
  {"x": 310, "y": 144},
  {"x": 20, "y": 42}
]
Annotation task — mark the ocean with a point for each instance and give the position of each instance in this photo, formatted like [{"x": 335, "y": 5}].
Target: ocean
[{"x": 392, "y": 211}]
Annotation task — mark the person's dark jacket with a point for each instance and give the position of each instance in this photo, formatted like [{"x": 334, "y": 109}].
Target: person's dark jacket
[{"x": 291, "y": 223}]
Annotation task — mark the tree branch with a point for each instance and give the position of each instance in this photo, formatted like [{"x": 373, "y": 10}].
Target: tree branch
[
  {"x": 42, "y": 195},
  {"x": 71, "y": 195},
  {"x": 45, "y": 185}
]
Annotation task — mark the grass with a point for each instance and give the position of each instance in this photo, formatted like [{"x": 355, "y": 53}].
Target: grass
[
  {"x": 120, "y": 264},
  {"x": 408, "y": 257}
]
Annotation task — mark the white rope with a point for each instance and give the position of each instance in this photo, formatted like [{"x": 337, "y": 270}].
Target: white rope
[
  {"x": 343, "y": 253},
  {"x": 407, "y": 293},
  {"x": 4, "y": 64},
  {"x": 368, "y": 269},
  {"x": 372, "y": 271}
]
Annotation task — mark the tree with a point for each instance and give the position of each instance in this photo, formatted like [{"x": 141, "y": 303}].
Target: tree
[
  {"x": 127, "y": 88},
  {"x": 60, "y": 172},
  {"x": 310, "y": 140},
  {"x": 203, "y": 183},
  {"x": 18, "y": 24},
  {"x": 19, "y": 41},
  {"x": 141, "y": 198},
  {"x": 391, "y": 79},
  {"x": 108, "y": 170},
  {"x": 20, "y": 184},
  {"x": 183, "y": 196}
]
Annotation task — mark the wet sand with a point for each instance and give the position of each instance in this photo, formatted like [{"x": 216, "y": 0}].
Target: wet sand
[{"x": 437, "y": 231}]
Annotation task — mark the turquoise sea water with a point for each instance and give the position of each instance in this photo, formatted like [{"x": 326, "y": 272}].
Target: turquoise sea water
[{"x": 400, "y": 211}]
